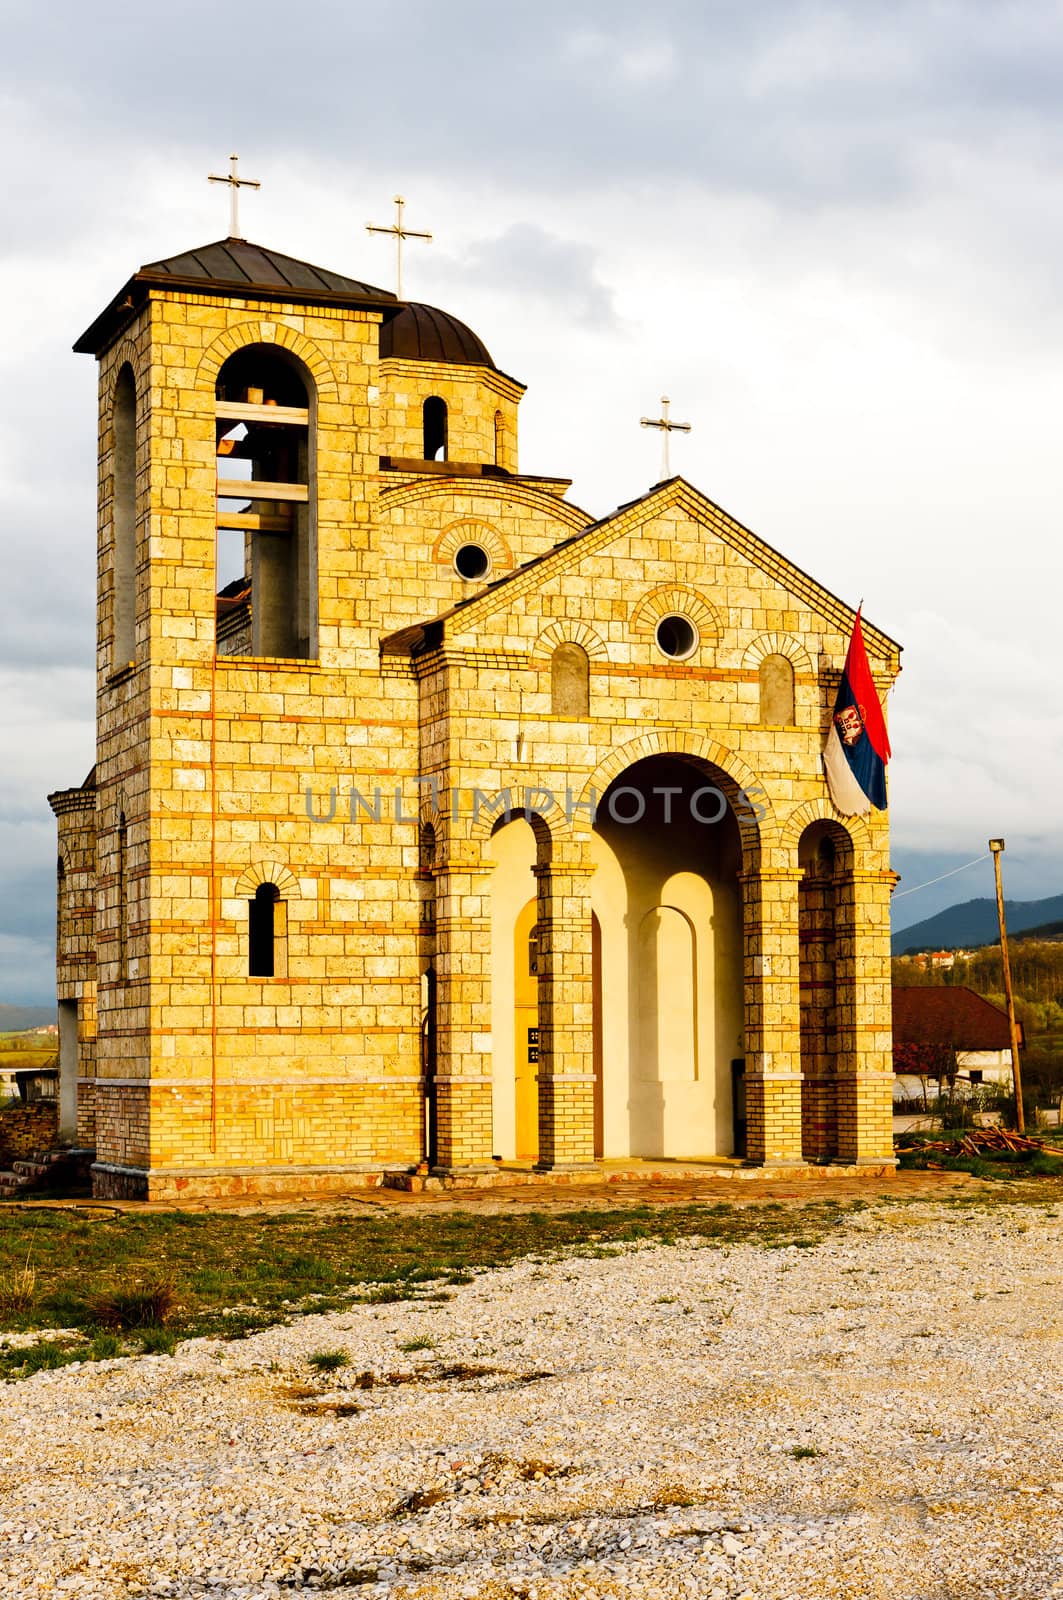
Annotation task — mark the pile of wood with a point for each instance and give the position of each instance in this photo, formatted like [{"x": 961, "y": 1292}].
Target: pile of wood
[{"x": 992, "y": 1141}]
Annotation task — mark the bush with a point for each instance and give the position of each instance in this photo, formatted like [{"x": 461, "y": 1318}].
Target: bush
[{"x": 137, "y": 1305}]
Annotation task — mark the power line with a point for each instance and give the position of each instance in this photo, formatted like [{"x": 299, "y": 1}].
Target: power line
[{"x": 930, "y": 881}]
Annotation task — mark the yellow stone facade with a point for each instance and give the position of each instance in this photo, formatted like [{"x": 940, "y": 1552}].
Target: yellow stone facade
[{"x": 342, "y": 787}]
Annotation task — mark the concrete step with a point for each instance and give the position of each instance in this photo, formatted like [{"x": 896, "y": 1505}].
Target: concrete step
[{"x": 11, "y": 1183}]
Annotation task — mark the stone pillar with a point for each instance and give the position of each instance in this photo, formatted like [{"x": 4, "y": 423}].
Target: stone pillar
[
  {"x": 773, "y": 1016},
  {"x": 86, "y": 1125},
  {"x": 69, "y": 1071},
  {"x": 462, "y": 1108},
  {"x": 819, "y": 1112},
  {"x": 566, "y": 1015},
  {"x": 865, "y": 1019}
]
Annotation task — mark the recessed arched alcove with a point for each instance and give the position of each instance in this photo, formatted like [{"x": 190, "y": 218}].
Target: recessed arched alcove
[{"x": 667, "y": 853}]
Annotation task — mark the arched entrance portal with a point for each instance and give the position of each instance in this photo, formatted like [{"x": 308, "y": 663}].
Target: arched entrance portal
[{"x": 666, "y": 893}]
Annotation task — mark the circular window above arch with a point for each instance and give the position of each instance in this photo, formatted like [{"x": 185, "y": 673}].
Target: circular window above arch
[
  {"x": 676, "y": 637},
  {"x": 471, "y": 562}
]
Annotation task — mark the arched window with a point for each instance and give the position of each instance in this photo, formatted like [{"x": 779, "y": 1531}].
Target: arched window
[
  {"x": 776, "y": 691},
  {"x": 570, "y": 681},
  {"x": 124, "y": 519},
  {"x": 123, "y": 898},
  {"x": 267, "y": 564},
  {"x": 435, "y": 428},
  {"x": 500, "y": 438},
  {"x": 267, "y": 934}
]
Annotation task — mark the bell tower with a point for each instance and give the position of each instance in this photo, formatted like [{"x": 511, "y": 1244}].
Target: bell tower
[{"x": 237, "y": 454}]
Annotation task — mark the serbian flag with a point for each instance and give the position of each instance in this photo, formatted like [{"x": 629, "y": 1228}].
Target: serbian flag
[{"x": 857, "y": 746}]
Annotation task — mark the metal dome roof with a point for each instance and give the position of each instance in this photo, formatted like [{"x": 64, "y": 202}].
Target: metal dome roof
[{"x": 424, "y": 333}]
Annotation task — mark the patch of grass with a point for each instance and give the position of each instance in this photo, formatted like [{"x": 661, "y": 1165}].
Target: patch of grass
[
  {"x": 328, "y": 1360},
  {"x": 18, "y": 1289},
  {"x": 805, "y": 1452},
  {"x": 423, "y": 1342},
  {"x": 233, "y": 1324},
  {"x": 158, "y": 1341},
  {"x": 105, "y": 1346},
  {"x": 238, "y": 1273},
  {"x": 998, "y": 1164},
  {"x": 135, "y": 1305},
  {"x": 44, "y": 1356}
]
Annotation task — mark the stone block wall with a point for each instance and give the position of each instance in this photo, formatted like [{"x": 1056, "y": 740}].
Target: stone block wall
[{"x": 26, "y": 1129}]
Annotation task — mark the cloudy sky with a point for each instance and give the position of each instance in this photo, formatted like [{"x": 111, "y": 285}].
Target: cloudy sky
[{"x": 830, "y": 232}]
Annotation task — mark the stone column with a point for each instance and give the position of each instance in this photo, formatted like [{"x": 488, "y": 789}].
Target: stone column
[
  {"x": 865, "y": 1019},
  {"x": 819, "y": 1112},
  {"x": 566, "y": 1014},
  {"x": 464, "y": 1133},
  {"x": 773, "y": 1016}
]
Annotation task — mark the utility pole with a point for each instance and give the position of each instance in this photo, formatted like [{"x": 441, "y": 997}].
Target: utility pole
[{"x": 997, "y": 847}]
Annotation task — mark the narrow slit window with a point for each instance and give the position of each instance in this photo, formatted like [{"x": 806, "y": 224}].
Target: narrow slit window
[
  {"x": 267, "y": 929},
  {"x": 60, "y": 901},
  {"x": 435, "y": 428},
  {"x": 123, "y": 899}
]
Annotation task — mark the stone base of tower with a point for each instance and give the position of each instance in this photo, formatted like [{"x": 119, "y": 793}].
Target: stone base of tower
[
  {"x": 172, "y": 1185},
  {"x": 256, "y": 1184}
]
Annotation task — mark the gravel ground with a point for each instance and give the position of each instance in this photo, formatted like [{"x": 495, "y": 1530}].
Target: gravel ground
[{"x": 877, "y": 1415}]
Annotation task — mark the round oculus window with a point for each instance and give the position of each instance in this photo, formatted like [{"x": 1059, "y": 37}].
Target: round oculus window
[
  {"x": 472, "y": 562},
  {"x": 676, "y": 637}
]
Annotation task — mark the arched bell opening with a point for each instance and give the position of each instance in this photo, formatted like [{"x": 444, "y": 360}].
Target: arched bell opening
[{"x": 266, "y": 506}]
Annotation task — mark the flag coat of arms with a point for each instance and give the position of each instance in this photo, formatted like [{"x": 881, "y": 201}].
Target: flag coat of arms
[{"x": 857, "y": 745}]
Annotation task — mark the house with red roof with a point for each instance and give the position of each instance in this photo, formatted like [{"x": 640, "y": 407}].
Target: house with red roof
[{"x": 948, "y": 1034}]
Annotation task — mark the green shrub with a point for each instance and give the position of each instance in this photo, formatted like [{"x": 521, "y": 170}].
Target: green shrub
[
  {"x": 158, "y": 1341},
  {"x": 135, "y": 1305},
  {"x": 328, "y": 1360}
]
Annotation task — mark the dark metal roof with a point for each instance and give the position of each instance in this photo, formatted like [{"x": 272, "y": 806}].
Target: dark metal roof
[
  {"x": 230, "y": 268},
  {"x": 424, "y": 333},
  {"x": 235, "y": 261}
]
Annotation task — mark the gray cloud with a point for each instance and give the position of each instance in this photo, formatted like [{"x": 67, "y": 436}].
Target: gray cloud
[
  {"x": 805, "y": 102},
  {"x": 528, "y": 262},
  {"x": 830, "y": 231}
]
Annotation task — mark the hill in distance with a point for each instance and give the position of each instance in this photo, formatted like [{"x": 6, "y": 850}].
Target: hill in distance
[
  {"x": 974, "y": 922},
  {"x": 14, "y": 1019}
]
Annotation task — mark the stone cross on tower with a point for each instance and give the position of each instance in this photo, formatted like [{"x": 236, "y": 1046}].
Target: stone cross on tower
[
  {"x": 236, "y": 183},
  {"x": 667, "y": 427},
  {"x": 400, "y": 233}
]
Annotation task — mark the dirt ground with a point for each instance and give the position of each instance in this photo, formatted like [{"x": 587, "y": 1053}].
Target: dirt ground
[{"x": 656, "y": 1190}]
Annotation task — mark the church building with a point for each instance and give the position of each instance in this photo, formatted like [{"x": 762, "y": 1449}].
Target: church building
[{"x": 435, "y": 824}]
